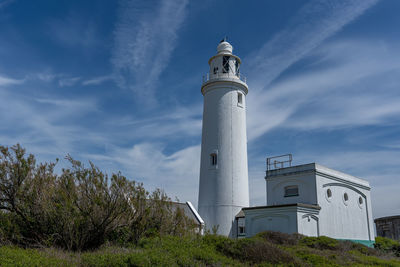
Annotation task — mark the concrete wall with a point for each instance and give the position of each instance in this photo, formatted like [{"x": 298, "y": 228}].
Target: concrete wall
[
  {"x": 308, "y": 222},
  {"x": 276, "y": 189},
  {"x": 339, "y": 218},
  {"x": 279, "y": 219},
  {"x": 292, "y": 219}
]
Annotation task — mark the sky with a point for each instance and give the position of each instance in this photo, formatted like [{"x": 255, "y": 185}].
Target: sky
[{"x": 118, "y": 83}]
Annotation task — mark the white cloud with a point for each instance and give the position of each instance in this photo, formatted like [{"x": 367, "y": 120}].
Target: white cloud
[
  {"x": 98, "y": 80},
  {"x": 44, "y": 126},
  {"x": 9, "y": 81},
  {"x": 353, "y": 85},
  {"x": 176, "y": 173},
  {"x": 68, "y": 81},
  {"x": 313, "y": 24},
  {"x": 145, "y": 37},
  {"x": 173, "y": 123}
]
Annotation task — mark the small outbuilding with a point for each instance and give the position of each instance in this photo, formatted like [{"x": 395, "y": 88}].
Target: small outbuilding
[{"x": 388, "y": 227}]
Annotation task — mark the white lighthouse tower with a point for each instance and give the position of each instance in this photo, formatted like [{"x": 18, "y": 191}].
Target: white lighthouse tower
[{"x": 224, "y": 188}]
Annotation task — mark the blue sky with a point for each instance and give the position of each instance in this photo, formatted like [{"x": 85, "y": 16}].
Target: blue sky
[{"x": 118, "y": 83}]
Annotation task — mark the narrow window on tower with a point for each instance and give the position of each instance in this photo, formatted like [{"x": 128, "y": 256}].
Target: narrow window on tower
[
  {"x": 240, "y": 98},
  {"x": 213, "y": 159},
  {"x": 225, "y": 64}
]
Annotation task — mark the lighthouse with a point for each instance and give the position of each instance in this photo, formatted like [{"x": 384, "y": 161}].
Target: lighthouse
[{"x": 224, "y": 187}]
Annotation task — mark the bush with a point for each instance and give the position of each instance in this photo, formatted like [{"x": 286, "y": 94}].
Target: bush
[
  {"x": 280, "y": 238},
  {"x": 321, "y": 242},
  {"x": 387, "y": 245},
  {"x": 81, "y": 208},
  {"x": 14, "y": 256}
]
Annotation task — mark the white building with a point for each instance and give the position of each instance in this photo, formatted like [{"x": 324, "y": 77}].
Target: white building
[
  {"x": 309, "y": 199},
  {"x": 314, "y": 200},
  {"x": 223, "y": 170}
]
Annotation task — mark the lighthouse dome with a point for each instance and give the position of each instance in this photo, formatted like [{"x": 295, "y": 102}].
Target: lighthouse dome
[{"x": 224, "y": 47}]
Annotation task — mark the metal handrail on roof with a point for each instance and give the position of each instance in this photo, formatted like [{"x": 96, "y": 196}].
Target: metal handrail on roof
[{"x": 279, "y": 162}]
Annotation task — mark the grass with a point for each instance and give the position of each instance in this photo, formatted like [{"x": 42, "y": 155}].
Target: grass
[{"x": 265, "y": 249}]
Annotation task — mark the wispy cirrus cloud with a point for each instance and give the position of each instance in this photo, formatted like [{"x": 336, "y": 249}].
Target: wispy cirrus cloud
[
  {"x": 98, "y": 80},
  {"x": 46, "y": 126},
  {"x": 345, "y": 94},
  {"x": 176, "y": 173},
  {"x": 145, "y": 36},
  {"x": 70, "y": 81},
  {"x": 9, "y": 81},
  {"x": 314, "y": 23}
]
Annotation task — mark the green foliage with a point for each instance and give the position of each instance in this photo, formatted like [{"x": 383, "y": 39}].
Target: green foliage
[
  {"x": 80, "y": 209},
  {"x": 210, "y": 250},
  {"x": 321, "y": 242},
  {"x": 279, "y": 238},
  {"x": 387, "y": 245},
  {"x": 13, "y": 256}
]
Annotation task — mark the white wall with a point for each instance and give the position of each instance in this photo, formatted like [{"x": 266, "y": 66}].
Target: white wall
[
  {"x": 289, "y": 219},
  {"x": 276, "y": 189},
  {"x": 337, "y": 218},
  {"x": 279, "y": 219},
  {"x": 341, "y": 219}
]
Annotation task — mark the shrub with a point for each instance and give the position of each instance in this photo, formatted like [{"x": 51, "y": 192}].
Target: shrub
[
  {"x": 321, "y": 242},
  {"x": 14, "y": 256},
  {"x": 280, "y": 238},
  {"x": 80, "y": 209},
  {"x": 387, "y": 245}
]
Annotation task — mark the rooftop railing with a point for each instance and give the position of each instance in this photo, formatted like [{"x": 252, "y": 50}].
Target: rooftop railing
[
  {"x": 279, "y": 162},
  {"x": 218, "y": 75}
]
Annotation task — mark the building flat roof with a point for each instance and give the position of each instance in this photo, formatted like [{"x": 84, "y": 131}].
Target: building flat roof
[
  {"x": 387, "y": 218},
  {"x": 285, "y": 205},
  {"x": 319, "y": 170}
]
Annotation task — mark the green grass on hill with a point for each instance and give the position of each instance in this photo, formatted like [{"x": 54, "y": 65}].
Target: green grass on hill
[{"x": 265, "y": 249}]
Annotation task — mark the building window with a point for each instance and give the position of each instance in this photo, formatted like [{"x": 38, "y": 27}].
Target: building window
[
  {"x": 345, "y": 198},
  {"x": 329, "y": 193},
  {"x": 225, "y": 64},
  {"x": 213, "y": 159},
  {"x": 241, "y": 230},
  {"x": 237, "y": 67},
  {"x": 215, "y": 70},
  {"x": 291, "y": 191},
  {"x": 240, "y": 98},
  {"x": 360, "y": 202}
]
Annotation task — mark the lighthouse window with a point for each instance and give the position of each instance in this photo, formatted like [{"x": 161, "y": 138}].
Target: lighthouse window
[
  {"x": 237, "y": 67},
  {"x": 213, "y": 159},
  {"x": 240, "y": 98},
  {"x": 291, "y": 191},
  {"x": 225, "y": 64}
]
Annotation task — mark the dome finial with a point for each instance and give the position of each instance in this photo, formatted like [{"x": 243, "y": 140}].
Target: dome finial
[{"x": 224, "y": 39}]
